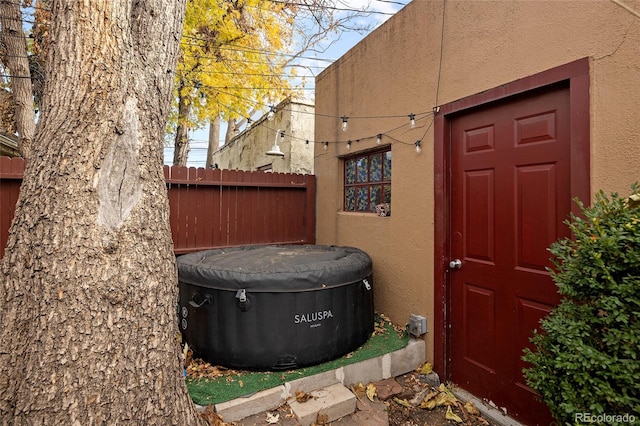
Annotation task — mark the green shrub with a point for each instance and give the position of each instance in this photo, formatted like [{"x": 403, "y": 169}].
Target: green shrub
[{"x": 587, "y": 357}]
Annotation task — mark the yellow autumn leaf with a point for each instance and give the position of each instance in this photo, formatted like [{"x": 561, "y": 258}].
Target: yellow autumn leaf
[
  {"x": 471, "y": 409},
  {"x": 432, "y": 394},
  {"x": 402, "y": 402},
  {"x": 450, "y": 415},
  {"x": 443, "y": 388},
  {"x": 427, "y": 368},
  {"x": 444, "y": 398},
  {"x": 429, "y": 405},
  {"x": 358, "y": 390},
  {"x": 371, "y": 391},
  {"x": 429, "y": 401}
]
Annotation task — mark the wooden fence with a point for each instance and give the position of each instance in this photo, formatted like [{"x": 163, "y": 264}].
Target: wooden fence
[{"x": 212, "y": 208}]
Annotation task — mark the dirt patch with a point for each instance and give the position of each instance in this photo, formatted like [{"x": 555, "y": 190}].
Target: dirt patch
[{"x": 421, "y": 403}]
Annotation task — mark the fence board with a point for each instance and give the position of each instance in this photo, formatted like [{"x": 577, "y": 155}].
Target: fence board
[
  {"x": 212, "y": 208},
  {"x": 258, "y": 215},
  {"x": 11, "y": 172}
]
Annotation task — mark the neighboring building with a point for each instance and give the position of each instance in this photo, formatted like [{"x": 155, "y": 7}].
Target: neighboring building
[
  {"x": 9, "y": 146},
  {"x": 248, "y": 150},
  {"x": 520, "y": 106}
]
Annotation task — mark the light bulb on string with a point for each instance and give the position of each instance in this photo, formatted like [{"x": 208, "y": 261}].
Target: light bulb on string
[
  {"x": 379, "y": 138},
  {"x": 345, "y": 125},
  {"x": 249, "y": 123},
  {"x": 272, "y": 114},
  {"x": 348, "y": 145},
  {"x": 418, "y": 148},
  {"x": 412, "y": 120},
  {"x": 325, "y": 145}
]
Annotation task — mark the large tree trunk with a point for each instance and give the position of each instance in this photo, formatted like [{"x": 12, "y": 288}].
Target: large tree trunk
[
  {"x": 232, "y": 130},
  {"x": 89, "y": 286},
  {"x": 181, "y": 144},
  {"x": 214, "y": 140},
  {"x": 18, "y": 63}
]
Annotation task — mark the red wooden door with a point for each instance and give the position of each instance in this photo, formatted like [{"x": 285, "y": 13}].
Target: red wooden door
[{"x": 510, "y": 194}]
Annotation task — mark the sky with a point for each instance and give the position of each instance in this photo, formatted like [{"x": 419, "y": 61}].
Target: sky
[{"x": 335, "y": 48}]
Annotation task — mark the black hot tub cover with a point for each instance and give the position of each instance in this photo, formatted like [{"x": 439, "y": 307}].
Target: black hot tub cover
[{"x": 275, "y": 268}]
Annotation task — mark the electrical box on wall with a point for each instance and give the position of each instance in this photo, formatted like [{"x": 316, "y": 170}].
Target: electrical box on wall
[{"x": 417, "y": 325}]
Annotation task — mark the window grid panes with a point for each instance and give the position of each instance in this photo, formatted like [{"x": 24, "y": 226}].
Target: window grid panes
[{"x": 367, "y": 181}]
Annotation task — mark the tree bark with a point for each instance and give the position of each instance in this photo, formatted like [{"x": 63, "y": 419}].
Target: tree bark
[
  {"x": 18, "y": 63},
  {"x": 89, "y": 283},
  {"x": 232, "y": 130},
  {"x": 181, "y": 145},
  {"x": 214, "y": 140}
]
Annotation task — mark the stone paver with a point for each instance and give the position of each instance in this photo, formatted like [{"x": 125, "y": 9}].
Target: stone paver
[
  {"x": 387, "y": 388},
  {"x": 332, "y": 402}
]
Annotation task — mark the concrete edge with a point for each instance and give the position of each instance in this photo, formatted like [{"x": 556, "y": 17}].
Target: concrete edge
[
  {"x": 239, "y": 408},
  {"x": 370, "y": 370},
  {"x": 492, "y": 413},
  {"x": 311, "y": 383}
]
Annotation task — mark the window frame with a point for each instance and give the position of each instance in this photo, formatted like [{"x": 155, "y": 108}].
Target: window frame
[{"x": 369, "y": 184}]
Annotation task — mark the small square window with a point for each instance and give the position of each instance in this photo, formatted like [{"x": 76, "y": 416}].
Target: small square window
[{"x": 367, "y": 181}]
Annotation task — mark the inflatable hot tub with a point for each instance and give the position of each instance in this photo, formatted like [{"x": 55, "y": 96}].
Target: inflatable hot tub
[{"x": 275, "y": 307}]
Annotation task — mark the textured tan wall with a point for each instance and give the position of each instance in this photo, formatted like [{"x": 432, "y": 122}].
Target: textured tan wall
[
  {"x": 247, "y": 151},
  {"x": 394, "y": 71}
]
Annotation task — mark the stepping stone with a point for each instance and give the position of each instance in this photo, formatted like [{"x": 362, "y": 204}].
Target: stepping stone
[
  {"x": 387, "y": 388},
  {"x": 333, "y": 401}
]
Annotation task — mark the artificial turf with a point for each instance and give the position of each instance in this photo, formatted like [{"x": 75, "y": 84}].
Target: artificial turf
[{"x": 214, "y": 390}]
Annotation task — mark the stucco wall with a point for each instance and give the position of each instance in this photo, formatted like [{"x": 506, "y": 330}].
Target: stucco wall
[
  {"x": 395, "y": 71},
  {"x": 247, "y": 151}
]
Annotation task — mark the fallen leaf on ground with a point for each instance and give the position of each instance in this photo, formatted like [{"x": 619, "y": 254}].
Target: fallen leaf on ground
[
  {"x": 443, "y": 388},
  {"x": 416, "y": 400},
  {"x": 273, "y": 418},
  {"x": 211, "y": 417},
  {"x": 429, "y": 401},
  {"x": 302, "y": 397},
  {"x": 321, "y": 419},
  {"x": 444, "y": 398},
  {"x": 452, "y": 416},
  {"x": 199, "y": 369},
  {"x": 371, "y": 391},
  {"x": 402, "y": 402},
  {"x": 359, "y": 390},
  {"x": 427, "y": 368},
  {"x": 429, "y": 405},
  {"x": 471, "y": 409}
]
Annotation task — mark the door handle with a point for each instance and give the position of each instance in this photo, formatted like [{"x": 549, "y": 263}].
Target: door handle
[{"x": 455, "y": 264}]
